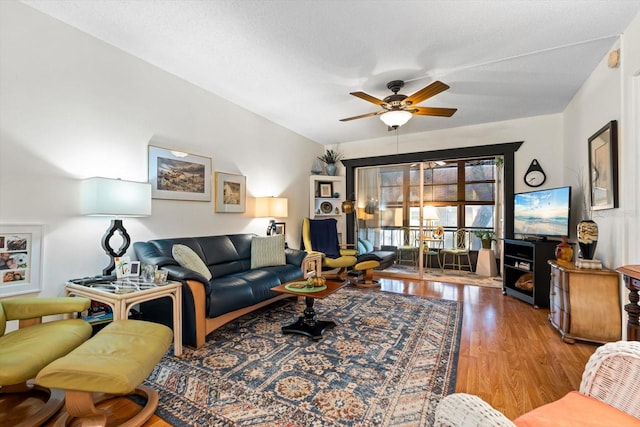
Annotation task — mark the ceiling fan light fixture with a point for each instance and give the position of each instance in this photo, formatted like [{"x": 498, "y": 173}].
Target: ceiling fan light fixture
[{"x": 395, "y": 118}]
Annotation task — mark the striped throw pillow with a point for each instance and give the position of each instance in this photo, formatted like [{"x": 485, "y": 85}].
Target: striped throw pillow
[{"x": 268, "y": 251}]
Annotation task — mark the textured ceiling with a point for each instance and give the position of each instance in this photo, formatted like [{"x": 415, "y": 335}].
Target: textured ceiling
[{"x": 295, "y": 62}]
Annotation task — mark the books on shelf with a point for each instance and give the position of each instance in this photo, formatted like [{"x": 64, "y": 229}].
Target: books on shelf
[{"x": 524, "y": 265}]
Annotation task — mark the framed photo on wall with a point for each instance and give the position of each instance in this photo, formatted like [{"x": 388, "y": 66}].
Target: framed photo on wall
[
  {"x": 603, "y": 167},
  {"x": 177, "y": 175},
  {"x": 231, "y": 191},
  {"x": 20, "y": 248}
]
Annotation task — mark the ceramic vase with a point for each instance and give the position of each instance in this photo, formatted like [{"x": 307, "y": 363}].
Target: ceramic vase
[
  {"x": 587, "y": 238},
  {"x": 331, "y": 169},
  {"x": 564, "y": 251}
]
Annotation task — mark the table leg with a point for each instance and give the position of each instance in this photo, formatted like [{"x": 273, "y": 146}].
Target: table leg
[{"x": 308, "y": 324}]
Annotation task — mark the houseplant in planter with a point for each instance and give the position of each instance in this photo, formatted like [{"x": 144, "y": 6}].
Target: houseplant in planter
[
  {"x": 330, "y": 158},
  {"x": 486, "y": 237}
]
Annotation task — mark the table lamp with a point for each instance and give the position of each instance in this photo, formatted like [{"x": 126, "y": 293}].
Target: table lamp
[
  {"x": 270, "y": 207},
  {"x": 116, "y": 198}
]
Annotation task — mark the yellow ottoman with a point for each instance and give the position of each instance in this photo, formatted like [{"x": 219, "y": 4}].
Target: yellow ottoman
[
  {"x": 114, "y": 362},
  {"x": 365, "y": 267}
]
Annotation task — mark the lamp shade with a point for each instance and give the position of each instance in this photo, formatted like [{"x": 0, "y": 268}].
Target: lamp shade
[
  {"x": 430, "y": 213},
  {"x": 277, "y": 207},
  {"x": 115, "y": 197},
  {"x": 396, "y": 118}
]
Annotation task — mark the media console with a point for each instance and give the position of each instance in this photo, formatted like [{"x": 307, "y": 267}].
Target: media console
[{"x": 528, "y": 257}]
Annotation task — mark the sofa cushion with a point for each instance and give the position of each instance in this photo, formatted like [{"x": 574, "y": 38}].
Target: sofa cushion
[
  {"x": 267, "y": 251},
  {"x": 187, "y": 258},
  {"x": 576, "y": 409}
]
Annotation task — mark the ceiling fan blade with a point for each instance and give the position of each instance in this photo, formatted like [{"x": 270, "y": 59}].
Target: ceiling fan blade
[
  {"x": 426, "y": 92},
  {"x": 432, "y": 111},
  {"x": 362, "y": 116},
  {"x": 369, "y": 98}
]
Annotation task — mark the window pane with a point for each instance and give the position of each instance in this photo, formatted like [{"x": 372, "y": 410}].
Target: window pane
[
  {"x": 479, "y": 171},
  {"x": 479, "y": 192},
  {"x": 414, "y": 176},
  {"x": 448, "y": 175},
  {"x": 448, "y": 216},
  {"x": 391, "y": 217},
  {"x": 391, "y": 196},
  {"x": 414, "y": 216},
  {"x": 479, "y": 216},
  {"x": 445, "y": 193},
  {"x": 391, "y": 178}
]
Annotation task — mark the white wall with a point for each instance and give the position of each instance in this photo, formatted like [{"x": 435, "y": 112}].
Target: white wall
[
  {"x": 73, "y": 107},
  {"x": 542, "y": 136},
  {"x": 612, "y": 94}
]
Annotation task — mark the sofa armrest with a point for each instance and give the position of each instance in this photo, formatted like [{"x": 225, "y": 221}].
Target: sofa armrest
[
  {"x": 295, "y": 256},
  {"x": 461, "y": 409},
  {"x": 179, "y": 273},
  {"x": 148, "y": 254}
]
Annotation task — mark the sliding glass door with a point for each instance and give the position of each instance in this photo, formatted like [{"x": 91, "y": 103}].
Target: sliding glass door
[{"x": 415, "y": 208}]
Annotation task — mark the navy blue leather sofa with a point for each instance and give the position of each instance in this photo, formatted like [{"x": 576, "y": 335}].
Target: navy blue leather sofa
[{"x": 234, "y": 289}]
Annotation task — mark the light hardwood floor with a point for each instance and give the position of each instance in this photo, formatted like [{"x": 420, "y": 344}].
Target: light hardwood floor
[{"x": 509, "y": 353}]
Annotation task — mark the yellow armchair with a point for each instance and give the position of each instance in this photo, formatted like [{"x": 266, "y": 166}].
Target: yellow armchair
[
  {"x": 341, "y": 259},
  {"x": 25, "y": 351}
]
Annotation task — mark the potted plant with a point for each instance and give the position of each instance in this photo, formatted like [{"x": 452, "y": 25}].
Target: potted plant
[
  {"x": 486, "y": 237},
  {"x": 330, "y": 158}
]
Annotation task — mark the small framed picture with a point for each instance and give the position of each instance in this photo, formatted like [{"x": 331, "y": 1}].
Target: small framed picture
[
  {"x": 148, "y": 272},
  {"x": 325, "y": 189},
  {"x": 230, "y": 192},
  {"x": 123, "y": 266},
  {"x": 134, "y": 269},
  {"x": 280, "y": 227}
]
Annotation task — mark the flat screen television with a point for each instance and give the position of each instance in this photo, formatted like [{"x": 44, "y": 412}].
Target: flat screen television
[{"x": 542, "y": 213}]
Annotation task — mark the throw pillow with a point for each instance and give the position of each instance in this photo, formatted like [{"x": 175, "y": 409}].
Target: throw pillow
[
  {"x": 268, "y": 251},
  {"x": 367, "y": 245},
  {"x": 187, "y": 258}
]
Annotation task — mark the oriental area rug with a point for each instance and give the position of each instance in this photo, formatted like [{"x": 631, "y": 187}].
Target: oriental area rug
[{"x": 388, "y": 362}]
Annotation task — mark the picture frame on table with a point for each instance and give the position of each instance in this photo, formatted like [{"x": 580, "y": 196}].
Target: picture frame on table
[
  {"x": 231, "y": 193},
  {"x": 325, "y": 189},
  {"x": 134, "y": 269},
  {"x": 20, "y": 259},
  {"x": 280, "y": 227},
  {"x": 603, "y": 167},
  {"x": 176, "y": 175}
]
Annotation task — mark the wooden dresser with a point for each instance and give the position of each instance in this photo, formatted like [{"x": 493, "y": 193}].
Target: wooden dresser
[{"x": 584, "y": 303}]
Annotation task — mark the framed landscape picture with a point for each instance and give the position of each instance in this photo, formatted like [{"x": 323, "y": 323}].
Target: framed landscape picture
[
  {"x": 20, "y": 248},
  {"x": 231, "y": 193},
  {"x": 179, "y": 176}
]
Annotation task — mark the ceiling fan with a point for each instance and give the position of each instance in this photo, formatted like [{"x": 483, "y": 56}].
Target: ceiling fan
[{"x": 397, "y": 109}]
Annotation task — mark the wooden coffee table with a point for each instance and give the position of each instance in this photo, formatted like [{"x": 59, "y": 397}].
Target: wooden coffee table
[{"x": 309, "y": 324}]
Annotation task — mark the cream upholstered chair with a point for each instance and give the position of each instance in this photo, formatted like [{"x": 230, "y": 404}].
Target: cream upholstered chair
[
  {"x": 27, "y": 350},
  {"x": 609, "y": 395},
  {"x": 460, "y": 250}
]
